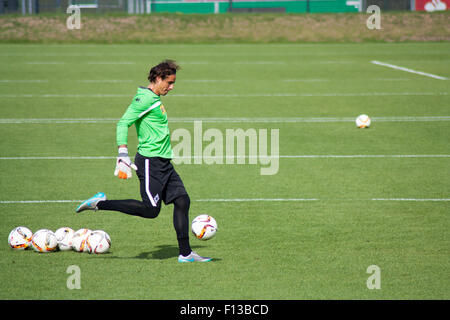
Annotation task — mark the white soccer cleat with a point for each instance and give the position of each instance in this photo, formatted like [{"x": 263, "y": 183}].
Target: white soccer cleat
[
  {"x": 91, "y": 203},
  {"x": 193, "y": 257}
]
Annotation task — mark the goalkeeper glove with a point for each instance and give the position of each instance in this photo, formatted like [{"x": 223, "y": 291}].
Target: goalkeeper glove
[{"x": 123, "y": 164}]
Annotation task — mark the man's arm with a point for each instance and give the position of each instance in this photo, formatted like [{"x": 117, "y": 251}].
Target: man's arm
[
  {"x": 137, "y": 109},
  {"x": 123, "y": 162}
]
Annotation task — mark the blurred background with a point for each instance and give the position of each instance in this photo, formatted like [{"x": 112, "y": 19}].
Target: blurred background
[{"x": 214, "y": 6}]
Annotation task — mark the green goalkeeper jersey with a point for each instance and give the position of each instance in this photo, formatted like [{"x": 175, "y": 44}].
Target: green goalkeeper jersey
[{"x": 148, "y": 115}]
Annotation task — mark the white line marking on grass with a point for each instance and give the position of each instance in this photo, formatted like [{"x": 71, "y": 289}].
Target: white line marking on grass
[
  {"x": 389, "y": 79},
  {"x": 368, "y": 156},
  {"x": 256, "y": 95},
  {"x": 110, "y": 62},
  {"x": 230, "y": 95},
  {"x": 244, "y": 200},
  {"x": 325, "y": 156},
  {"x": 313, "y": 119},
  {"x": 190, "y": 80},
  {"x": 271, "y": 62},
  {"x": 46, "y": 62},
  {"x": 257, "y": 200},
  {"x": 208, "y": 80},
  {"x": 306, "y": 80},
  {"x": 328, "y": 80},
  {"x": 50, "y": 95},
  {"x": 126, "y": 81},
  {"x": 408, "y": 199},
  {"x": 89, "y": 63},
  {"x": 408, "y": 70},
  {"x": 59, "y": 158},
  {"x": 60, "y": 120},
  {"x": 412, "y": 119},
  {"x": 314, "y": 199},
  {"x": 330, "y": 62},
  {"x": 22, "y": 81},
  {"x": 104, "y": 81},
  {"x": 260, "y": 62},
  {"x": 228, "y": 120},
  {"x": 37, "y": 201},
  {"x": 194, "y": 62}
]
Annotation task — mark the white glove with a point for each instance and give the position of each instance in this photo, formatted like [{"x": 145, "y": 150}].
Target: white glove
[{"x": 124, "y": 165}]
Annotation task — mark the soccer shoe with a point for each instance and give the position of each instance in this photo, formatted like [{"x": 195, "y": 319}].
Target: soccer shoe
[
  {"x": 193, "y": 257},
  {"x": 91, "y": 203}
]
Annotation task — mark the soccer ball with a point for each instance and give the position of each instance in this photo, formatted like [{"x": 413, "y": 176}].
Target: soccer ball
[
  {"x": 98, "y": 241},
  {"x": 204, "y": 227},
  {"x": 20, "y": 238},
  {"x": 363, "y": 121},
  {"x": 79, "y": 240},
  {"x": 64, "y": 236},
  {"x": 44, "y": 240}
]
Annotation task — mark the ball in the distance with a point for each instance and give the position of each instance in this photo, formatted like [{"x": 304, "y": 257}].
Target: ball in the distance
[{"x": 363, "y": 121}]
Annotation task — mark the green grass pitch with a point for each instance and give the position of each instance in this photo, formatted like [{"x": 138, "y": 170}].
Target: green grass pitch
[{"x": 330, "y": 217}]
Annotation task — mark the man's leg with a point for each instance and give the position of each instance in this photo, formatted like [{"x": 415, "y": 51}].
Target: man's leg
[
  {"x": 150, "y": 186},
  {"x": 176, "y": 193},
  {"x": 181, "y": 223},
  {"x": 131, "y": 207}
]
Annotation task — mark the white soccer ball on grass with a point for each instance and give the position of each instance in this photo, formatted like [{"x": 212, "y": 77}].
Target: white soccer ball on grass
[
  {"x": 98, "y": 241},
  {"x": 44, "y": 240},
  {"x": 79, "y": 243},
  {"x": 204, "y": 227},
  {"x": 363, "y": 121},
  {"x": 20, "y": 238},
  {"x": 64, "y": 236}
]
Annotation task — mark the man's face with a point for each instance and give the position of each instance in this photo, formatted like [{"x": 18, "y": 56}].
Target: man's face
[{"x": 163, "y": 86}]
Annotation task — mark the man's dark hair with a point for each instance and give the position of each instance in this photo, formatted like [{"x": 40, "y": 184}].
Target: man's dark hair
[{"x": 163, "y": 70}]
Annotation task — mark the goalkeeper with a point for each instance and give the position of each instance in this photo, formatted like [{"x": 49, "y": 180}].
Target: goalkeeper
[{"x": 158, "y": 179}]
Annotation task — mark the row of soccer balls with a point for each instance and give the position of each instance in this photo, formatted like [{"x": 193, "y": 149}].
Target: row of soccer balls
[
  {"x": 44, "y": 240},
  {"x": 204, "y": 227}
]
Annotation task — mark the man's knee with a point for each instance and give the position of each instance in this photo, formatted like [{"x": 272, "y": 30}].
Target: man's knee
[
  {"x": 182, "y": 202},
  {"x": 150, "y": 212}
]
